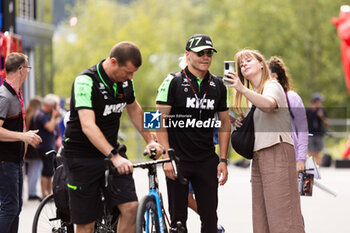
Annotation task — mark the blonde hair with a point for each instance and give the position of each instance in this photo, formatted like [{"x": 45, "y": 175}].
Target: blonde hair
[
  {"x": 265, "y": 76},
  {"x": 183, "y": 61}
]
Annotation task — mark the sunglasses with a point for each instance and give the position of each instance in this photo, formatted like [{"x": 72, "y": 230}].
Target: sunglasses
[{"x": 209, "y": 53}]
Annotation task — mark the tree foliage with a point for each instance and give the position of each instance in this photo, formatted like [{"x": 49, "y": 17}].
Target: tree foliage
[{"x": 299, "y": 31}]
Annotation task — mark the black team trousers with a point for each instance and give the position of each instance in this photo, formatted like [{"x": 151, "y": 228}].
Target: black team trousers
[{"x": 203, "y": 176}]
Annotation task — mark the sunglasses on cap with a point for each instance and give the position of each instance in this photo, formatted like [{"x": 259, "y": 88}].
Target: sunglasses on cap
[{"x": 201, "y": 53}]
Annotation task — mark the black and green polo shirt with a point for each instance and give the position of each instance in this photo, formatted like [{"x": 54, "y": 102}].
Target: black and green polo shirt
[
  {"x": 93, "y": 89},
  {"x": 191, "y": 120}
]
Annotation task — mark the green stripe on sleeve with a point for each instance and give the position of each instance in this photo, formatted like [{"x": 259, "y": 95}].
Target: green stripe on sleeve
[
  {"x": 82, "y": 91},
  {"x": 132, "y": 82},
  {"x": 164, "y": 89}
]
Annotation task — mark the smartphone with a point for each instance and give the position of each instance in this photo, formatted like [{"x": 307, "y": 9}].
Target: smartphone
[{"x": 229, "y": 66}]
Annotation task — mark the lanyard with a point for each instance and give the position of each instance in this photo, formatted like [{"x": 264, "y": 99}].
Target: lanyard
[
  {"x": 199, "y": 102},
  {"x": 20, "y": 98}
]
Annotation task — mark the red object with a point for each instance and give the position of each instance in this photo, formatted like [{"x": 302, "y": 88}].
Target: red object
[
  {"x": 346, "y": 153},
  {"x": 343, "y": 27},
  {"x": 8, "y": 43}
]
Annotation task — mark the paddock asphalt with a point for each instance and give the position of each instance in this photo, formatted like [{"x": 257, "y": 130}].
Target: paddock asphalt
[{"x": 323, "y": 213}]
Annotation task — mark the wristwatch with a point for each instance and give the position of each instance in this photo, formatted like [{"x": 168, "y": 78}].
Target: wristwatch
[
  {"x": 112, "y": 153},
  {"x": 223, "y": 160}
]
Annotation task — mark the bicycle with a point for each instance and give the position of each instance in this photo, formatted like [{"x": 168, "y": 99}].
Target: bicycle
[
  {"x": 50, "y": 219},
  {"x": 151, "y": 216}
]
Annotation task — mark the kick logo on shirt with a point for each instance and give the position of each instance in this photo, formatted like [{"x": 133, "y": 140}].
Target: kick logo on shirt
[
  {"x": 208, "y": 104},
  {"x": 151, "y": 120},
  {"x": 113, "y": 108}
]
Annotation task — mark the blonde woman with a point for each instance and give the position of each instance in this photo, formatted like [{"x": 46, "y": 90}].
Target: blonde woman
[{"x": 276, "y": 201}]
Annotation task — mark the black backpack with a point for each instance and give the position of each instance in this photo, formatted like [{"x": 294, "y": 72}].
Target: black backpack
[
  {"x": 60, "y": 190},
  {"x": 243, "y": 138}
]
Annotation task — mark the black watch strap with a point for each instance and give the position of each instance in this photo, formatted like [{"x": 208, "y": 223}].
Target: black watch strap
[
  {"x": 223, "y": 160},
  {"x": 112, "y": 153}
]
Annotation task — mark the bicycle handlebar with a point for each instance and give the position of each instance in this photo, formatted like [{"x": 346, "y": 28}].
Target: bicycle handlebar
[
  {"x": 173, "y": 159},
  {"x": 57, "y": 156}
]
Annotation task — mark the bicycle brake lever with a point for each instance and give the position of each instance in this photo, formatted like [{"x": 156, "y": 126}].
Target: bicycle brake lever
[
  {"x": 174, "y": 166},
  {"x": 106, "y": 177},
  {"x": 179, "y": 175},
  {"x": 48, "y": 153},
  {"x": 175, "y": 161}
]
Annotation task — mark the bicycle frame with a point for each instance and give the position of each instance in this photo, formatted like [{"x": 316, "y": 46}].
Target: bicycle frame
[
  {"x": 154, "y": 192},
  {"x": 144, "y": 215}
]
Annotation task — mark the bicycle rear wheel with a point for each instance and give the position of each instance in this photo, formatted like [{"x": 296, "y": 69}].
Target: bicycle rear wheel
[
  {"x": 147, "y": 216},
  {"x": 46, "y": 218}
]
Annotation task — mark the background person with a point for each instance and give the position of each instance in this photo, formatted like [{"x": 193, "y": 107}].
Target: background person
[
  {"x": 99, "y": 96},
  {"x": 317, "y": 122},
  {"x": 198, "y": 94},
  {"x": 63, "y": 109},
  {"x": 45, "y": 120},
  {"x": 33, "y": 160},
  {"x": 13, "y": 141},
  {"x": 275, "y": 196},
  {"x": 298, "y": 121}
]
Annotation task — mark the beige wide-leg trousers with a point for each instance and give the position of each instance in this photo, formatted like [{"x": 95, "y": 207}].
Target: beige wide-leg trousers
[{"x": 276, "y": 200}]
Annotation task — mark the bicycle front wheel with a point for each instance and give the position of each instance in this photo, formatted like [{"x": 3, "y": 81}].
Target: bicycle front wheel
[
  {"x": 147, "y": 216},
  {"x": 46, "y": 218}
]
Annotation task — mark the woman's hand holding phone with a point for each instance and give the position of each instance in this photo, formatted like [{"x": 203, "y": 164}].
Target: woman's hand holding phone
[
  {"x": 235, "y": 82},
  {"x": 228, "y": 80}
]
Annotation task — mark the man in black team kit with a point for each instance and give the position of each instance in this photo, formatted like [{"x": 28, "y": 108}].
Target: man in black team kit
[
  {"x": 189, "y": 100},
  {"x": 99, "y": 95}
]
